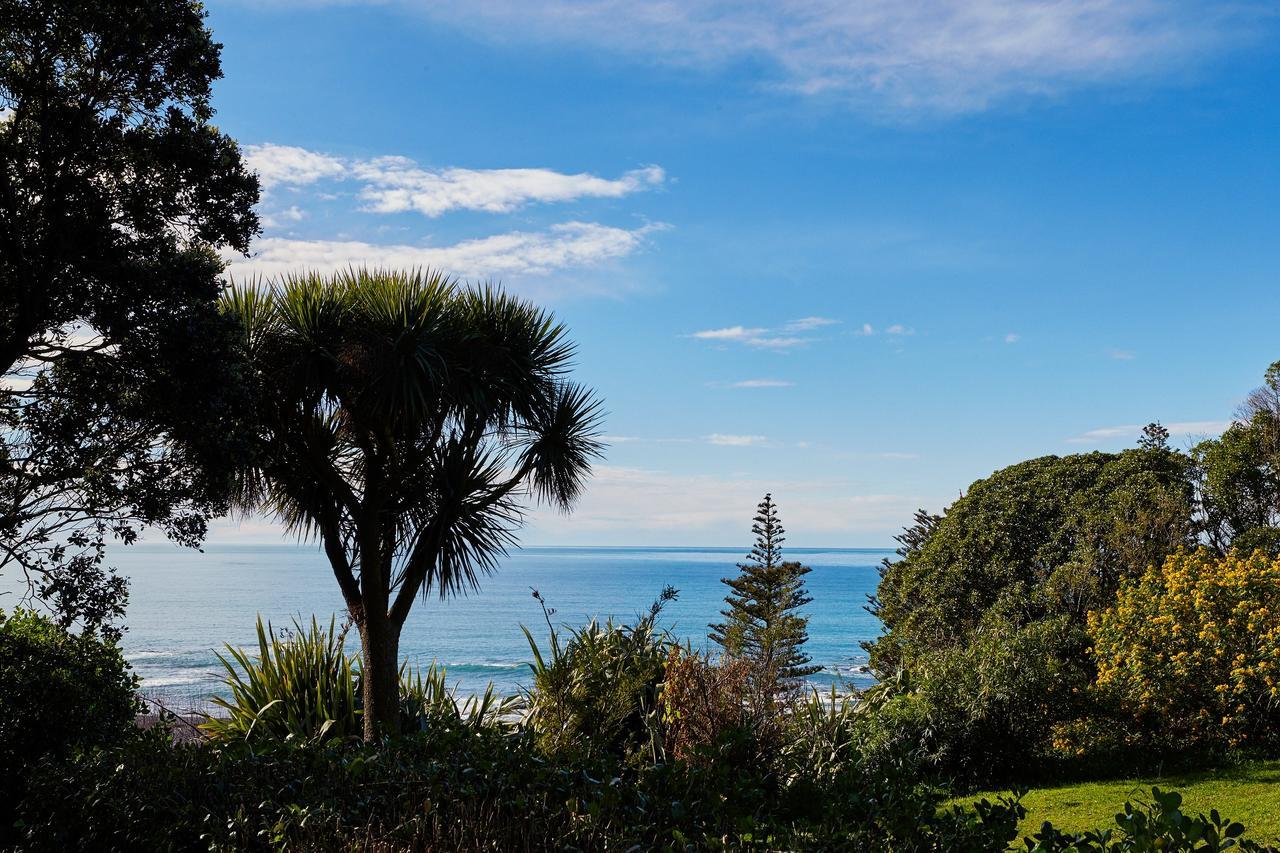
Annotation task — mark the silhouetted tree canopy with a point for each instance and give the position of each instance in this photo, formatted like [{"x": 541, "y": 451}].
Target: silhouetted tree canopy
[{"x": 117, "y": 195}]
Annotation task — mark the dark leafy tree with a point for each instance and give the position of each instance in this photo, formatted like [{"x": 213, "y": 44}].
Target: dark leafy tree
[
  {"x": 762, "y": 622},
  {"x": 116, "y": 196},
  {"x": 402, "y": 423},
  {"x": 1239, "y": 474},
  {"x": 985, "y": 642}
]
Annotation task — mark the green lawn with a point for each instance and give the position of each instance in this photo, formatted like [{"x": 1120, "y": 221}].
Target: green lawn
[{"x": 1249, "y": 794}]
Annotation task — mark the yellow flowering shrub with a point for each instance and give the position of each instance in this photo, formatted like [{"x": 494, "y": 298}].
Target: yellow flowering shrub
[{"x": 1192, "y": 647}]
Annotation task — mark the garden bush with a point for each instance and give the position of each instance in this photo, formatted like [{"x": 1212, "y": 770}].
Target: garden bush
[
  {"x": 465, "y": 788},
  {"x": 60, "y": 693},
  {"x": 598, "y": 690},
  {"x": 983, "y": 711}
]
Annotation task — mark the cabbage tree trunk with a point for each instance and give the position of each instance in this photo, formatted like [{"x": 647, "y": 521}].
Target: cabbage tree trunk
[{"x": 380, "y": 675}]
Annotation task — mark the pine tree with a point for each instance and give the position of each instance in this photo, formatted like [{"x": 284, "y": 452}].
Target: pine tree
[{"x": 762, "y": 623}]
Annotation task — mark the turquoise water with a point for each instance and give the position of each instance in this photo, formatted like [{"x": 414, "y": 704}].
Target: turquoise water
[{"x": 185, "y": 604}]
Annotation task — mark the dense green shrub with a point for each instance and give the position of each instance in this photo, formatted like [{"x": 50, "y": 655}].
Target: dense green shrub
[
  {"x": 466, "y": 788},
  {"x": 986, "y": 611},
  {"x": 597, "y": 691},
  {"x": 59, "y": 692},
  {"x": 985, "y": 710}
]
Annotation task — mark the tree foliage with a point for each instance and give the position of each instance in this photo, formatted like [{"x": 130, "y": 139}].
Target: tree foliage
[
  {"x": 1047, "y": 537},
  {"x": 762, "y": 622},
  {"x": 116, "y": 195},
  {"x": 402, "y": 420},
  {"x": 985, "y": 647},
  {"x": 1238, "y": 474}
]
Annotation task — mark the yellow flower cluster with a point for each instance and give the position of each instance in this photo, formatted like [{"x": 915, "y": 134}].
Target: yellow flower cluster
[{"x": 1196, "y": 644}]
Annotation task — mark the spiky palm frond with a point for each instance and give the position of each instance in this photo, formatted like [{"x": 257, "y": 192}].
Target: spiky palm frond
[
  {"x": 564, "y": 443},
  {"x": 443, "y": 405}
]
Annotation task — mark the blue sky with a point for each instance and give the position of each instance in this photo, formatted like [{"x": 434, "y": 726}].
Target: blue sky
[{"x": 858, "y": 254}]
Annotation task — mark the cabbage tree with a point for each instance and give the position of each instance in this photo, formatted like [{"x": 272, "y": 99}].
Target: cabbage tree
[{"x": 405, "y": 423}]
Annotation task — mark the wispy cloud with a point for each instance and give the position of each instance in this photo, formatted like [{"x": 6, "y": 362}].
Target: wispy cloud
[
  {"x": 1191, "y": 429},
  {"x": 729, "y": 333},
  {"x": 808, "y": 324},
  {"x": 728, "y": 440},
  {"x": 639, "y": 505},
  {"x": 517, "y": 253},
  {"x": 1012, "y": 338},
  {"x": 1122, "y": 354},
  {"x": 398, "y": 184},
  {"x": 899, "y": 329},
  {"x": 762, "y": 383},
  {"x": 947, "y": 56},
  {"x": 790, "y": 335}
]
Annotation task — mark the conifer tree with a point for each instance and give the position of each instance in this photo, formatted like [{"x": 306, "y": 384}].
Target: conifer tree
[{"x": 762, "y": 622}]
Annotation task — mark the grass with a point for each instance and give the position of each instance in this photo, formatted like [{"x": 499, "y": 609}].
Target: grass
[{"x": 1249, "y": 793}]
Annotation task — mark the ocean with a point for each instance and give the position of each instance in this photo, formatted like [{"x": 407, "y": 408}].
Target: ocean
[{"x": 184, "y": 605}]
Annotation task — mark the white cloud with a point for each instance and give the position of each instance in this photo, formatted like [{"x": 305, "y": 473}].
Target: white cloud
[
  {"x": 396, "y": 185},
  {"x": 921, "y": 55},
  {"x": 1191, "y": 429},
  {"x": 399, "y": 185},
  {"x": 1012, "y": 338},
  {"x": 762, "y": 383},
  {"x": 287, "y": 165},
  {"x": 1122, "y": 355},
  {"x": 726, "y": 440},
  {"x": 518, "y": 253},
  {"x": 899, "y": 329},
  {"x": 731, "y": 333},
  {"x": 779, "y": 342},
  {"x": 762, "y": 338},
  {"x": 808, "y": 324},
  {"x": 867, "y": 330}
]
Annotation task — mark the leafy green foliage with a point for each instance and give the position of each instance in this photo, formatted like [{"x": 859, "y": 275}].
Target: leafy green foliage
[
  {"x": 116, "y": 195},
  {"x": 983, "y": 711},
  {"x": 427, "y": 700},
  {"x": 597, "y": 691},
  {"x": 300, "y": 685},
  {"x": 1238, "y": 475},
  {"x": 986, "y": 610},
  {"x": 59, "y": 693},
  {"x": 402, "y": 419},
  {"x": 762, "y": 623},
  {"x": 465, "y": 788}
]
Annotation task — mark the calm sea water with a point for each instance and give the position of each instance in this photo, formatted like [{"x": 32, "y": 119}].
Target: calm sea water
[{"x": 184, "y": 605}]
